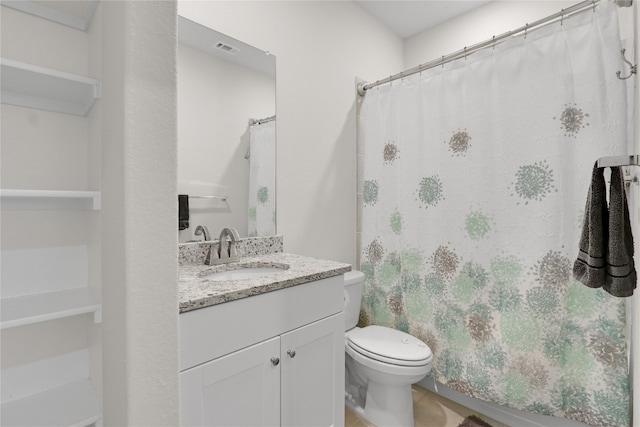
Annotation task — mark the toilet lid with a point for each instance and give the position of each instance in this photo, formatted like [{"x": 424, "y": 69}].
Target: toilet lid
[{"x": 390, "y": 346}]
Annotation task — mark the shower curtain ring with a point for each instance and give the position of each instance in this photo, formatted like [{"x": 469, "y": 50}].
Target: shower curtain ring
[
  {"x": 465, "y": 53},
  {"x": 526, "y": 28},
  {"x": 493, "y": 46},
  {"x": 632, "y": 71},
  {"x": 561, "y": 17}
]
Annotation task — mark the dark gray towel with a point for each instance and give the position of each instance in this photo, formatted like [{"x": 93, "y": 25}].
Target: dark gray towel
[
  {"x": 589, "y": 268},
  {"x": 621, "y": 273},
  {"x": 183, "y": 211}
]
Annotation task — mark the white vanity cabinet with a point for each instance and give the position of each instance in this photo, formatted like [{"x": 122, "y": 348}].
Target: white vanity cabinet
[
  {"x": 312, "y": 381},
  {"x": 240, "y": 389},
  {"x": 275, "y": 359}
]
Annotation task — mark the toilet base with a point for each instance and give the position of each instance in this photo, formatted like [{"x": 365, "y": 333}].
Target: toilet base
[
  {"x": 389, "y": 405},
  {"x": 391, "y": 408},
  {"x": 354, "y": 407}
]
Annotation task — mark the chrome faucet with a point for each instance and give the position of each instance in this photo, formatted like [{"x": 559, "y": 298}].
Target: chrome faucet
[
  {"x": 203, "y": 230},
  {"x": 228, "y": 252}
]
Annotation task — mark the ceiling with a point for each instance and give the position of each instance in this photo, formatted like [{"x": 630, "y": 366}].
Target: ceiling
[{"x": 409, "y": 17}]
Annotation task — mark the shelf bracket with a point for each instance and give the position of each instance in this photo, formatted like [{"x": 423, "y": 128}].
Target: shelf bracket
[{"x": 97, "y": 316}]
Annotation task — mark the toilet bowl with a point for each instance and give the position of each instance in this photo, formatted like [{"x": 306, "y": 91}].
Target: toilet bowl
[{"x": 381, "y": 365}]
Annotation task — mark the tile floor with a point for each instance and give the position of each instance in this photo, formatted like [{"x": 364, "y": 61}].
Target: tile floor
[{"x": 429, "y": 410}]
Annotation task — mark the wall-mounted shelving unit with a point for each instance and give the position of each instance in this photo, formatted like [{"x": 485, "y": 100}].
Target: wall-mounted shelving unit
[
  {"x": 73, "y": 404},
  {"x": 63, "y": 394},
  {"x": 42, "y": 284},
  {"x": 12, "y": 199},
  {"x": 74, "y": 14},
  {"x": 28, "y": 309},
  {"x": 45, "y": 284},
  {"x": 28, "y": 85}
]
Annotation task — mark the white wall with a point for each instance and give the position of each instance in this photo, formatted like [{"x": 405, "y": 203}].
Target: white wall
[
  {"x": 139, "y": 214},
  {"x": 478, "y": 25},
  {"x": 320, "y": 48},
  {"x": 216, "y": 99}
]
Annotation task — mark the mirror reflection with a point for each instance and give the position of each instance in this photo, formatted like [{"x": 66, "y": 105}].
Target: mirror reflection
[{"x": 226, "y": 133}]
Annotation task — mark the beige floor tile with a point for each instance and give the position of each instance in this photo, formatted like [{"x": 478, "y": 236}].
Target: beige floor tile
[
  {"x": 436, "y": 411},
  {"x": 417, "y": 393},
  {"x": 363, "y": 423},
  {"x": 436, "y": 415},
  {"x": 429, "y": 410},
  {"x": 350, "y": 418}
]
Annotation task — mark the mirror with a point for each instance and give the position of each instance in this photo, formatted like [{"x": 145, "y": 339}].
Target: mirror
[{"x": 226, "y": 133}]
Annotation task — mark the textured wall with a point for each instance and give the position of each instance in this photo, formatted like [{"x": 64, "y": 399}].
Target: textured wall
[{"x": 139, "y": 216}]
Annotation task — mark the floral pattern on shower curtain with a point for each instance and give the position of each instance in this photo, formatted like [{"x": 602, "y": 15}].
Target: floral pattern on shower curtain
[
  {"x": 472, "y": 191},
  {"x": 262, "y": 179}
]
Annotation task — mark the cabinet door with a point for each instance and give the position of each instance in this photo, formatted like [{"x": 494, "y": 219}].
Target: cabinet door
[
  {"x": 313, "y": 377},
  {"x": 240, "y": 389}
]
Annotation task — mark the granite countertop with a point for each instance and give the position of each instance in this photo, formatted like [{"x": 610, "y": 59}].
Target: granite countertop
[{"x": 195, "y": 292}]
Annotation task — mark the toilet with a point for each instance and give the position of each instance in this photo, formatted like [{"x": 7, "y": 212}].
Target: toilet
[{"x": 381, "y": 364}]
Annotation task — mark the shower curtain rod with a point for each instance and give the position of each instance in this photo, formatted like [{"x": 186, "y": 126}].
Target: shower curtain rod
[
  {"x": 261, "y": 121},
  {"x": 564, "y": 13}
]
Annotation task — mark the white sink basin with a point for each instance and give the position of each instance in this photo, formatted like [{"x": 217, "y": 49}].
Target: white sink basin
[{"x": 243, "y": 273}]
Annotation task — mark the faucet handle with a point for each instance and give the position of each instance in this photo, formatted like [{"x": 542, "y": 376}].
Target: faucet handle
[
  {"x": 212, "y": 256},
  {"x": 233, "y": 251}
]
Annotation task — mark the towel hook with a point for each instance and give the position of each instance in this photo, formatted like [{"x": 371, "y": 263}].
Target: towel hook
[{"x": 632, "y": 71}]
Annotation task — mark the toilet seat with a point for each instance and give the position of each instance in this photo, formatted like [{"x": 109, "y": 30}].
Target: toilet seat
[{"x": 389, "y": 346}]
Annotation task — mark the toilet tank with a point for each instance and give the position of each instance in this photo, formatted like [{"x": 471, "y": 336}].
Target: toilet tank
[{"x": 353, "y": 282}]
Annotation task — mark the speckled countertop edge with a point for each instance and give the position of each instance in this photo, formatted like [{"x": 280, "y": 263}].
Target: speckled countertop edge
[{"x": 195, "y": 292}]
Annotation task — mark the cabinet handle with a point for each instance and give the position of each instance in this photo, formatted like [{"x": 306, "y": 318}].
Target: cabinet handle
[
  {"x": 291, "y": 353},
  {"x": 275, "y": 361}
]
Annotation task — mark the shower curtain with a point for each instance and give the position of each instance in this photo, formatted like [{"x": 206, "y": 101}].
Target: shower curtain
[
  {"x": 262, "y": 179},
  {"x": 472, "y": 192}
]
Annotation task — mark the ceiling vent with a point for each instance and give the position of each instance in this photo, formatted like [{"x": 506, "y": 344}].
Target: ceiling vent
[{"x": 226, "y": 48}]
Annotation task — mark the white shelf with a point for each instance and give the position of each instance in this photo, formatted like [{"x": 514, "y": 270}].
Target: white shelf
[
  {"x": 75, "y": 14},
  {"x": 28, "y": 85},
  {"x": 27, "y": 309},
  {"x": 49, "y": 199},
  {"x": 73, "y": 404}
]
